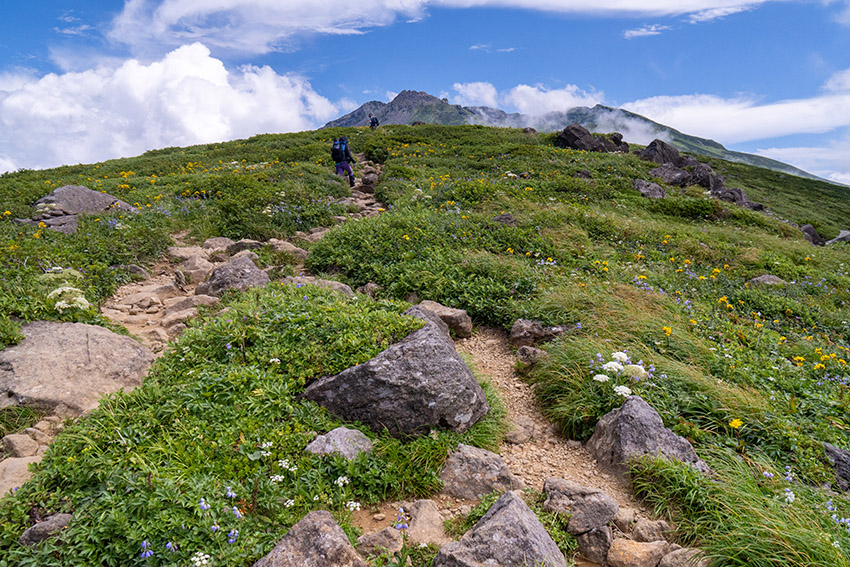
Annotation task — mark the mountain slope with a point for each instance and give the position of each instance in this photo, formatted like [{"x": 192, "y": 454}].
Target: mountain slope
[{"x": 417, "y": 106}]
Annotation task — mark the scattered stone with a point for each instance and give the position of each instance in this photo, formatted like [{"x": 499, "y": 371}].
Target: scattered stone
[
  {"x": 388, "y": 540},
  {"x": 456, "y": 319},
  {"x": 651, "y": 530},
  {"x": 684, "y": 557},
  {"x": 46, "y": 529},
  {"x": 371, "y": 289},
  {"x": 660, "y": 152},
  {"x": 284, "y": 246},
  {"x": 176, "y": 304},
  {"x": 471, "y": 473},
  {"x": 317, "y": 541},
  {"x": 767, "y": 279},
  {"x": 423, "y": 374},
  {"x": 343, "y": 441},
  {"x": 183, "y": 253},
  {"x": 649, "y": 189},
  {"x": 14, "y": 472},
  {"x": 135, "y": 270},
  {"x": 20, "y": 445},
  {"x": 578, "y": 137},
  {"x": 217, "y": 243},
  {"x": 812, "y": 235},
  {"x": 246, "y": 253},
  {"x": 588, "y": 508},
  {"x": 38, "y": 436},
  {"x": 522, "y": 430},
  {"x": 178, "y": 317},
  {"x": 244, "y": 244},
  {"x": 530, "y": 355},
  {"x": 241, "y": 274},
  {"x": 506, "y": 219},
  {"x": 526, "y": 332},
  {"x": 840, "y": 460},
  {"x": 59, "y": 209},
  {"x": 843, "y": 236},
  {"x": 624, "y": 518},
  {"x": 573, "y": 444},
  {"x": 68, "y": 367},
  {"x": 508, "y": 534},
  {"x": 196, "y": 269},
  {"x": 298, "y": 281},
  {"x": 628, "y": 553},
  {"x": 635, "y": 429},
  {"x": 671, "y": 175},
  {"x": 425, "y": 523},
  {"x": 594, "y": 545}
]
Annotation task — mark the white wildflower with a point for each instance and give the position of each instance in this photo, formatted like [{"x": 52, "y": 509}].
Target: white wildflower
[
  {"x": 612, "y": 366},
  {"x": 63, "y": 290},
  {"x": 622, "y": 391},
  {"x": 341, "y": 481},
  {"x": 277, "y": 478},
  {"x": 635, "y": 371},
  {"x": 289, "y": 503},
  {"x": 352, "y": 505},
  {"x": 200, "y": 558},
  {"x": 789, "y": 496},
  {"x": 601, "y": 378},
  {"x": 620, "y": 356}
]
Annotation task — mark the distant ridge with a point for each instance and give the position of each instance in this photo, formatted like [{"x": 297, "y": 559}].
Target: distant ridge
[{"x": 417, "y": 106}]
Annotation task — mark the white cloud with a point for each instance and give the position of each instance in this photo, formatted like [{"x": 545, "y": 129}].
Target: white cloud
[
  {"x": 260, "y": 26},
  {"x": 479, "y": 46},
  {"x": 839, "y": 82},
  {"x": 830, "y": 161},
  {"x": 475, "y": 94},
  {"x": 538, "y": 100},
  {"x": 187, "y": 97},
  {"x": 645, "y": 31},
  {"x": 390, "y": 95}
]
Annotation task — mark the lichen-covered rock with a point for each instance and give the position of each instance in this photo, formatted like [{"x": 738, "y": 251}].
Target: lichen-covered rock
[
  {"x": 342, "y": 441},
  {"x": 628, "y": 553},
  {"x": 240, "y": 273},
  {"x": 456, "y": 319},
  {"x": 651, "y": 530},
  {"x": 526, "y": 332},
  {"x": 299, "y": 281},
  {"x": 416, "y": 384},
  {"x": 471, "y": 473},
  {"x": 594, "y": 545},
  {"x": 46, "y": 529},
  {"x": 649, "y": 189},
  {"x": 315, "y": 541},
  {"x": 388, "y": 540},
  {"x": 588, "y": 508}
]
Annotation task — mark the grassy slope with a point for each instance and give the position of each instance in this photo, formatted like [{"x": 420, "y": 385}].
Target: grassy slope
[{"x": 587, "y": 251}]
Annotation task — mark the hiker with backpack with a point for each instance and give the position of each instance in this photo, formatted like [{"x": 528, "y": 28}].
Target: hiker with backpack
[
  {"x": 343, "y": 158},
  {"x": 373, "y": 121}
]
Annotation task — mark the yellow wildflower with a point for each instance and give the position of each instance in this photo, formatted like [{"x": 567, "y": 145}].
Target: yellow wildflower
[{"x": 736, "y": 423}]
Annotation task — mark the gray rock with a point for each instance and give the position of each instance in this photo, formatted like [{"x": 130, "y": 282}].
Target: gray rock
[
  {"x": 241, "y": 274},
  {"x": 371, "y": 289},
  {"x": 178, "y": 317},
  {"x": 506, "y": 219},
  {"x": 671, "y": 175},
  {"x": 46, "y": 529},
  {"x": 456, "y": 319},
  {"x": 414, "y": 385},
  {"x": 217, "y": 243},
  {"x": 388, "y": 540},
  {"x": 633, "y": 430},
  {"x": 471, "y": 473},
  {"x": 175, "y": 304},
  {"x": 14, "y": 472},
  {"x": 59, "y": 209},
  {"x": 628, "y": 553},
  {"x": 244, "y": 244},
  {"x": 624, "y": 518},
  {"x": 508, "y": 534},
  {"x": 649, "y": 189},
  {"x": 183, "y": 253},
  {"x": 526, "y": 332},
  {"x": 20, "y": 445},
  {"x": 197, "y": 268},
  {"x": 68, "y": 367},
  {"x": 843, "y": 236},
  {"x": 578, "y": 137},
  {"x": 701, "y": 175},
  {"x": 685, "y": 557},
  {"x": 651, "y": 530},
  {"x": 425, "y": 523},
  {"x": 812, "y": 235},
  {"x": 299, "y": 281},
  {"x": 343, "y": 441},
  {"x": 594, "y": 545},
  {"x": 530, "y": 355},
  {"x": 767, "y": 279},
  {"x": 588, "y": 508},
  {"x": 284, "y": 246},
  {"x": 135, "y": 270},
  {"x": 660, "y": 152},
  {"x": 522, "y": 430},
  {"x": 840, "y": 460},
  {"x": 315, "y": 541}
]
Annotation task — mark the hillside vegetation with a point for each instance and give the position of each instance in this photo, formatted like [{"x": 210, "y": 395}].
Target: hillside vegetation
[{"x": 756, "y": 377}]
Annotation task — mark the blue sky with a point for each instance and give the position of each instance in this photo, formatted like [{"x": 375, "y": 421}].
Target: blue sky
[{"x": 85, "y": 80}]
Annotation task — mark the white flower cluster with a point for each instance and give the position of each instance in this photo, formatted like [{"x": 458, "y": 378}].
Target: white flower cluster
[
  {"x": 352, "y": 505},
  {"x": 622, "y": 391},
  {"x": 341, "y": 481},
  {"x": 277, "y": 478},
  {"x": 288, "y": 503},
  {"x": 68, "y": 297},
  {"x": 200, "y": 558},
  {"x": 286, "y": 465}
]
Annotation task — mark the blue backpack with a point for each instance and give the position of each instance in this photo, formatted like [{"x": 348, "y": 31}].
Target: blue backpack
[{"x": 338, "y": 151}]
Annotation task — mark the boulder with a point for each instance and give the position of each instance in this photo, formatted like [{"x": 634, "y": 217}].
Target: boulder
[
  {"x": 587, "y": 508},
  {"x": 660, "y": 152},
  {"x": 578, "y": 137},
  {"x": 456, "y": 319},
  {"x": 183, "y": 253},
  {"x": 471, "y": 473},
  {"x": 702, "y": 175},
  {"x": 628, "y": 553},
  {"x": 635, "y": 429},
  {"x": 68, "y": 367},
  {"x": 343, "y": 441},
  {"x": 526, "y": 332},
  {"x": 20, "y": 445},
  {"x": 594, "y": 545},
  {"x": 388, "y": 540},
  {"x": 299, "y": 281},
  {"x": 840, "y": 459},
  {"x": 197, "y": 268},
  {"x": 812, "y": 235},
  {"x": 649, "y": 189},
  {"x": 244, "y": 244},
  {"x": 651, "y": 530},
  {"x": 624, "y": 518},
  {"x": 766, "y": 279},
  {"x": 508, "y": 534},
  {"x": 46, "y": 529},
  {"x": 241, "y": 274},
  {"x": 217, "y": 243},
  {"x": 522, "y": 430},
  {"x": 59, "y": 209},
  {"x": 843, "y": 236},
  {"x": 671, "y": 175},
  {"x": 506, "y": 219},
  {"x": 530, "y": 355},
  {"x": 284, "y": 246},
  {"x": 735, "y": 195},
  {"x": 425, "y": 523},
  {"x": 175, "y": 304},
  {"x": 177, "y": 317},
  {"x": 371, "y": 289},
  {"x": 135, "y": 270},
  {"x": 684, "y": 557},
  {"x": 14, "y": 472},
  {"x": 317, "y": 541},
  {"x": 416, "y": 384}
]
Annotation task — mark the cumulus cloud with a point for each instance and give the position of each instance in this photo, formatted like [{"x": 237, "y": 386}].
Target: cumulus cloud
[
  {"x": 839, "y": 82},
  {"x": 830, "y": 161},
  {"x": 475, "y": 94},
  {"x": 645, "y": 31},
  {"x": 260, "y": 26},
  {"x": 187, "y": 97},
  {"x": 537, "y": 100}
]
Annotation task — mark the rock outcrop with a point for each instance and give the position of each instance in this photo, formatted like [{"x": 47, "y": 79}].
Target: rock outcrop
[
  {"x": 578, "y": 137},
  {"x": 59, "y": 209},
  {"x": 527, "y": 332},
  {"x": 240, "y": 273},
  {"x": 416, "y": 384},
  {"x": 316, "y": 540},
  {"x": 471, "y": 473},
  {"x": 341, "y": 441}
]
